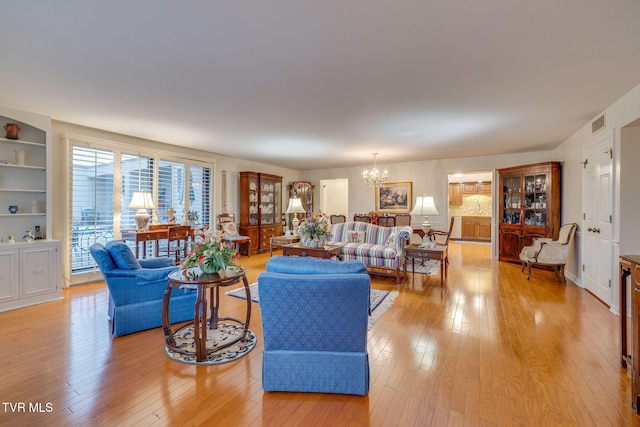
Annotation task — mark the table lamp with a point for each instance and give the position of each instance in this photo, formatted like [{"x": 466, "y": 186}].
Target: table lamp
[
  {"x": 142, "y": 201},
  {"x": 425, "y": 206},
  {"x": 295, "y": 207}
]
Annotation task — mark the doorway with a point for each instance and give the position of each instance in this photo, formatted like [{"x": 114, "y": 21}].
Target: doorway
[{"x": 334, "y": 196}]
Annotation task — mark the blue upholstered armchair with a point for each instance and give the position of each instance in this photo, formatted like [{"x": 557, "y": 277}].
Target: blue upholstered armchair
[
  {"x": 314, "y": 321},
  {"x": 136, "y": 288}
]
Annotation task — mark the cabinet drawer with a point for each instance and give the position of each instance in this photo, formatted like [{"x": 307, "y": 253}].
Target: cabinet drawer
[{"x": 37, "y": 268}]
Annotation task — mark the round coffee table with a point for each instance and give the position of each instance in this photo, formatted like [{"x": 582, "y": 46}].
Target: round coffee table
[{"x": 193, "y": 278}]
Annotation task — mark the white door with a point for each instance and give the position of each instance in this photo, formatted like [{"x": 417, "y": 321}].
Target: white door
[{"x": 598, "y": 216}]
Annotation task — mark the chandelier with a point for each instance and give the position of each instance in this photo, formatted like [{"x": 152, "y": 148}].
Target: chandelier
[{"x": 374, "y": 177}]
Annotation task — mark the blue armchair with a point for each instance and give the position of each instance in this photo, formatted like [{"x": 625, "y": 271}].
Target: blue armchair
[
  {"x": 314, "y": 321},
  {"x": 136, "y": 288}
]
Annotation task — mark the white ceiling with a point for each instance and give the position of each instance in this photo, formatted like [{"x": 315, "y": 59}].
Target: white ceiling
[{"x": 324, "y": 84}]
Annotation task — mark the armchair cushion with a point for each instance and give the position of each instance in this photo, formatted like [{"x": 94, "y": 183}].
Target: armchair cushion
[
  {"x": 122, "y": 255},
  {"x": 292, "y": 265}
]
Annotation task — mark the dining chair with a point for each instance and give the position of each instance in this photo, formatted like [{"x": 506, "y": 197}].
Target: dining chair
[
  {"x": 362, "y": 218},
  {"x": 386, "y": 221},
  {"x": 178, "y": 241},
  {"x": 337, "y": 219}
]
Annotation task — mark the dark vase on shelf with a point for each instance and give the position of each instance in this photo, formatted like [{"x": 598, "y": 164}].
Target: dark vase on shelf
[{"x": 11, "y": 130}]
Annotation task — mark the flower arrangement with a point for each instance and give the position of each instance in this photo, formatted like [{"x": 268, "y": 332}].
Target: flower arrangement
[
  {"x": 314, "y": 230},
  {"x": 211, "y": 253}
]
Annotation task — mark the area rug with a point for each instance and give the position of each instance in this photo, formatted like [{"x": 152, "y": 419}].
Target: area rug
[
  {"x": 215, "y": 337},
  {"x": 380, "y": 301}
]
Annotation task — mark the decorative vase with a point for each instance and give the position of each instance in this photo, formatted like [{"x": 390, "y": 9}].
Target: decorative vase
[
  {"x": 12, "y": 130},
  {"x": 312, "y": 241}
]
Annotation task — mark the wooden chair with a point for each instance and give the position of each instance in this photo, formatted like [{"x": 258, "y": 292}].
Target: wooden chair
[
  {"x": 337, "y": 219},
  {"x": 227, "y": 224},
  {"x": 403, "y": 219},
  {"x": 386, "y": 221},
  {"x": 362, "y": 218},
  {"x": 441, "y": 237},
  {"x": 178, "y": 241}
]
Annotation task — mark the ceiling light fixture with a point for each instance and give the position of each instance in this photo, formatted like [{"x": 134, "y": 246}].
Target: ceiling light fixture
[{"x": 374, "y": 177}]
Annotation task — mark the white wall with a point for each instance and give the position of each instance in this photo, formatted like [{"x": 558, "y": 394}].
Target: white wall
[
  {"x": 622, "y": 113},
  {"x": 334, "y": 196},
  {"x": 427, "y": 177}
]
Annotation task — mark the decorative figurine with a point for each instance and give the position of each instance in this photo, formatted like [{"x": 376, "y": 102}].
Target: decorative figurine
[
  {"x": 172, "y": 215},
  {"x": 29, "y": 237}
]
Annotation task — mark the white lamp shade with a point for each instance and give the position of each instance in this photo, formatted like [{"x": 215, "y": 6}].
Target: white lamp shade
[
  {"x": 141, "y": 200},
  {"x": 295, "y": 206},
  {"x": 425, "y": 206}
]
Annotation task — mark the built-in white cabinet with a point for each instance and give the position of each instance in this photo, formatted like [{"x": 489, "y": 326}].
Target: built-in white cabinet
[{"x": 30, "y": 271}]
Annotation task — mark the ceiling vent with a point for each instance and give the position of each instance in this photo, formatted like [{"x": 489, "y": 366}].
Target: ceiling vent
[{"x": 598, "y": 124}]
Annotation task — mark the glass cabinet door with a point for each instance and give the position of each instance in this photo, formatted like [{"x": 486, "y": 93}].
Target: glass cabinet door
[
  {"x": 535, "y": 200},
  {"x": 254, "y": 202},
  {"x": 512, "y": 200},
  {"x": 270, "y": 191}
]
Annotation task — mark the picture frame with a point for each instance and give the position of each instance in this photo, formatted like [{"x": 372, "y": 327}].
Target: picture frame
[{"x": 394, "y": 197}]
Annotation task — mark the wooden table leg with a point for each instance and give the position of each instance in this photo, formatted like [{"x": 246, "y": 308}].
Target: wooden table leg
[{"x": 200, "y": 325}]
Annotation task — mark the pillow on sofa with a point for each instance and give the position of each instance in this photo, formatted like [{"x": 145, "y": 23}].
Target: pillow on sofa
[
  {"x": 122, "y": 255},
  {"x": 356, "y": 236},
  {"x": 391, "y": 240}
]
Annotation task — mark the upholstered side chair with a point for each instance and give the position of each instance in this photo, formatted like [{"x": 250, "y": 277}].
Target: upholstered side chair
[
  {"x": 549, "y": 252},
  {"x": 227, "y": 224}
]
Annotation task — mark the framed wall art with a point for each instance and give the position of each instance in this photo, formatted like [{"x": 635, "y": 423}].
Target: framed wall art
[{"x": 393, "y": 197}]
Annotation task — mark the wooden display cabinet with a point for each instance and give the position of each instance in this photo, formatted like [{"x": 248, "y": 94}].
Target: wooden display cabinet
[
  {"x": 476, "y": 228},
  {"x": 260, "y": 209},
  {"x": 304, "y": 191},
  {"x": 529, "y": 200}
]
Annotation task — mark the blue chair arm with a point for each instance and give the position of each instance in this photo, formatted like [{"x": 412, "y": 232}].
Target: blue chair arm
[
  {"x": 156, "y": 262},
  {"x": 145, "y": 276}
]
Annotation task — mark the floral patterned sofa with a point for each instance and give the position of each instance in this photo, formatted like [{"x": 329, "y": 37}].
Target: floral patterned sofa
[{"x": 377, "y": 247}]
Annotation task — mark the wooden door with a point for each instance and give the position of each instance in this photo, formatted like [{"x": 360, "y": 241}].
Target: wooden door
[{"x": 598, "y": 216}]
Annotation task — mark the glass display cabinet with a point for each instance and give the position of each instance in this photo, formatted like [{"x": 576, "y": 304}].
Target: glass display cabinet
[
  {"x": 529, "y": 206},
  {"x": 260, "y": 209}
]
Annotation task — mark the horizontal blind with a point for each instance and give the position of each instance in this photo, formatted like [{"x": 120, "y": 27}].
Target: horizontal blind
[
  {"x": 171, "y": 188},
  {"x": 137, "y": 175},
  {"x": 200, "y": 193}
]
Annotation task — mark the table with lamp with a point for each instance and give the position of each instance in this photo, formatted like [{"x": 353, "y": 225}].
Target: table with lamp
[
  {"x": 295, "y": 207},
  {"x": 428, "y": 250},
  {"x": 142, "y": 201}
]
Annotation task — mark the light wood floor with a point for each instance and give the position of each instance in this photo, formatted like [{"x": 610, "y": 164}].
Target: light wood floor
[{"x": 489, "y": 349}]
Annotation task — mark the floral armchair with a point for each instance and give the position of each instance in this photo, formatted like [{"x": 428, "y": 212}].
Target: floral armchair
[{"x": 549, "y": 252}]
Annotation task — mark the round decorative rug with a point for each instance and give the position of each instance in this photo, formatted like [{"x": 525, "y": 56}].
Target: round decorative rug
[{"x": 215, "y": 337}]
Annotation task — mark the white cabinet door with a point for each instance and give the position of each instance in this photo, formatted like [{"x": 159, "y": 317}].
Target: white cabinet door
[
  {"x": 9, "y": 280},
  {"x": 37, "y": 270}
]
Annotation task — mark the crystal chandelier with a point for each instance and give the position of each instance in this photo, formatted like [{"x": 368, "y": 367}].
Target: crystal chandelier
[{"x": 374, "y": 177}]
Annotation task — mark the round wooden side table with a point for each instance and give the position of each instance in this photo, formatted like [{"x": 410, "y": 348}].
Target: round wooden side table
[{"x": 193, "y": 278}]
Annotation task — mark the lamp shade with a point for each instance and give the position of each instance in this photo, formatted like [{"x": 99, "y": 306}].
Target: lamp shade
[
  {"x": 295, "y": 206},
  {"x": 141, "y": 200},
  {"x": 425, "y": 206}
]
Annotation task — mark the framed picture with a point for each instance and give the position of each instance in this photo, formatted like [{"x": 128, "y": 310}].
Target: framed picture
[{"x": 393, "y": 197}]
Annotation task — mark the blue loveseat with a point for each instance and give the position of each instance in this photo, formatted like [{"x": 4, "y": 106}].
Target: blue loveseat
[
  {"x": 314, "y": 321},
  {"x": 136, "y": 288}
]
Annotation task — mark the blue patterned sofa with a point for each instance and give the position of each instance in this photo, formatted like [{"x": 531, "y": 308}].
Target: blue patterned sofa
[
  {"x": 378, "y": 247},
  {"x": 314, "y": 321}
]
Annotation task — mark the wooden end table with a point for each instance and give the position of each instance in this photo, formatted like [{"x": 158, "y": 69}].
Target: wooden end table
[
  {"x": 279, "y": 241},
  {"x": 193, "y": 278},
  {"x": 438, "y": 253},
  {"x": 327, "y": 251}
]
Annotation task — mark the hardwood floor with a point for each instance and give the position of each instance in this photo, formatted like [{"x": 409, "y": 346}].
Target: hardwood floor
[{"x": 490, "y": 348}]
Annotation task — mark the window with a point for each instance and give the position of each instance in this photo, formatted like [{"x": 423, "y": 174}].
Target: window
[
  {"x": 99, "y": 213},
  {"x": 92, "y": 204}
]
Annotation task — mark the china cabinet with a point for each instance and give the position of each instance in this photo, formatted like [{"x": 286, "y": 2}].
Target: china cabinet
[
  {"x": 304, "y": 191},
  {"x": 30, "y": 265},
  {"x": 529, "y": 201},
  {"x": 260, "y": 209}
]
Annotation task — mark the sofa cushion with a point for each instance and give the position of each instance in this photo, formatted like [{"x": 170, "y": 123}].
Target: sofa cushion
[
  {"x": 230, "y": 229},
  {"x": 391, "y": 239},
  {"x": 102, "y": 257},
  {"x": 369, "y": 250},
  {"x": 122, "y": 255}
]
